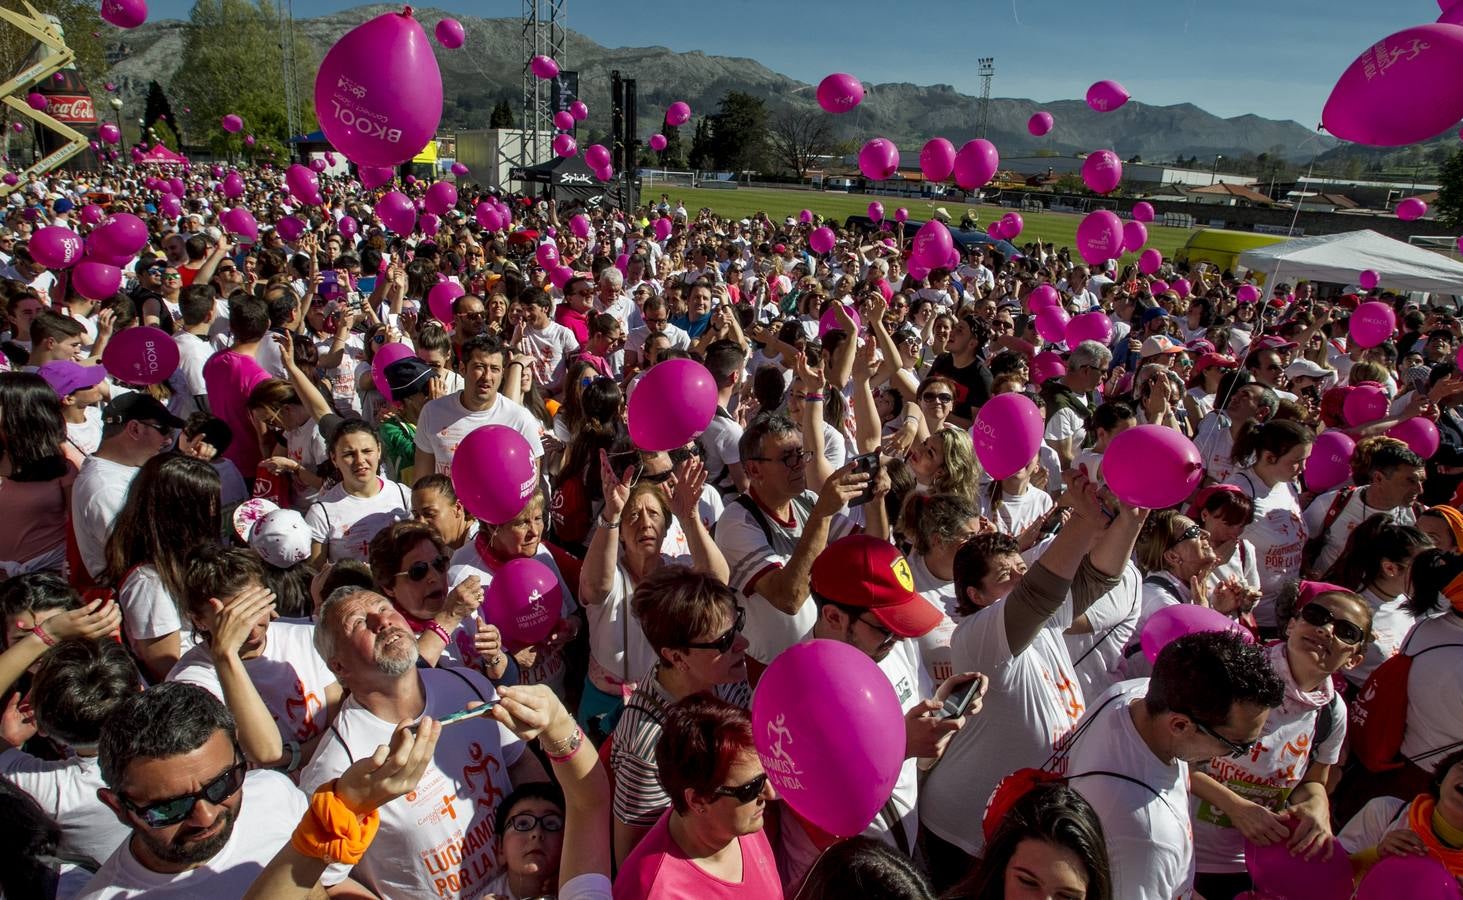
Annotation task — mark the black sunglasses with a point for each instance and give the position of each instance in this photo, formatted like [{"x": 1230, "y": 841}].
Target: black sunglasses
[
  {"x": 418, "y": 570},
  {"x": 1188, "y": 534},
  {"x": 744, "y": 793},
  {"x": 170, "y": 812},
  {"x": 1236, "y": 750},
  {"x": 724, "y": 643},
  {"x": 681, "y": 454},
  {"x": 526, "y": 822},
  {"x": 1319, "y": 616}
]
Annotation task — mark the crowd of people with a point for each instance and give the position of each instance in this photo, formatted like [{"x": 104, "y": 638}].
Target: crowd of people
[{"x": 231, "y": 596}]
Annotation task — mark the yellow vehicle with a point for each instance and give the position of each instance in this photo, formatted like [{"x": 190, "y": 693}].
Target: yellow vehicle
[{"x": 1222, "y": 247}]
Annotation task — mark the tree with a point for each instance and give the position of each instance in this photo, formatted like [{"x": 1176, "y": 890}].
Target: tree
[
  {"x": 232, "y": 63},
  {"x": 78, "y": 27},
  {"x": 702, "y": 155},
  {"x": 796, "y": 140},
  {"x": 1450, "y": 191},
  {"x": 674, "y": 154},
  {"x": 158, "y": 109},
  {"x": 502, "y": 116},
  {"x": 739, "y": 133}
]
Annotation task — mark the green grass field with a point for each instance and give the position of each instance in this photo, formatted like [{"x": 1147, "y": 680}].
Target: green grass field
[{"x": 1056, "y": 228}]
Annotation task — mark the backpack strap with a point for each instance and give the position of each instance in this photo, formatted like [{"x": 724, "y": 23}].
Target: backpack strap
[
  {"x": 1326, "y": 721},
  {"x": 1162, "y": 584},
  {"x": 465, "y": 680},
  {"x": 1338, "y": 506}
]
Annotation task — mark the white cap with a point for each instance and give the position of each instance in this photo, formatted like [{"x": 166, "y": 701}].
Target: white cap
[{"x": 281, "y": 538}]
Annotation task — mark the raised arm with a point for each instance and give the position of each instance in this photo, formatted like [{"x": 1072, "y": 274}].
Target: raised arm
[
  {"x": 309, "y": 394},
  {"x": 597, "y": 577},
  {"x": 685, "y": 504}
]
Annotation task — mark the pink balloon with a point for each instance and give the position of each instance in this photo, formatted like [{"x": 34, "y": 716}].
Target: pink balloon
[
  {"x": 1373, "y": 323},
  {"x": 876, "y": 211},
  {"x": 902, "y": 215},
  {"x": 440, "y": 298},
  {"x": 560, "y": 275},
  {"x": 378, "y": 93},
  {"x": 248, "y": 140},
  {"x": 1151, "y": 466},
  {"x": 1368, "y": 280},
  {"x": 1173, "y": 622},
  {"x": 1403, "y": 89},
  {"x": 10, "y": 178},
  {"x": 1051, "y": 323},
  {"x": 839, "y": 93},
  {"x": 622, "y": 262},
  {"x": 109, "y": 133},
  {"x": 449, "y": 34},
  {"x": 564, "y": 145},
  {"x": 303, "y": 184},
  {"x": 290, "y": 228},
  {"x": 834, "y": 776},
  {"x": 821, "y": 239},
  {"x": 459, "y": 170},
  {"x": 441, "y": 197},
  {"x": 879, "y": 159},
  {"x": 579, "y": 225},
  {"x": 1102, "y": 171},
  {"x": 92, "y": 213},
  {"x": 1411, "y": 208},
  {"x": 397, "y": 212},
  {"x": 673, "y": 403},
  {"x": 384, "y": 357},
  {"x": 1419, "y": 433},
  {"x": 1247, "y": 293},
  {"x": 1100, "y": 236},
  {"x": 1012, "y": 224},
  {"x": 124, "y": 13},
  {"x": 1106, "y": 96},
  {"x": 829, "y": 320},
  {"x": 96, "y": 280},
  {"x": 564, "y": 120},
  {"x": 806, "y": 216},
  {"x": 429, "y": 224},
  {"x": 122, "y": 234},
  {"x": 170, "y": 206},
  {"x": 1143, "y": 211},
  {"x": 523, "y": 600},
  {"x": 493, "y": 474},
  {"x": 373, "y": 177},
  {"x": 678, "y": 113},
  {"x": 1329, "y": 464},
  {"x": 547, "y": 254},
  {"x": 975, "y": 164},
  {"x": 657, "y": 142},
  {"x": 1047, "y": 364},
  {"x": 177, "y": 185},
  {"x": 487, "y": 216},
  {"x": 1158, "y": 286},
  {"x": 141, "y": 355},
  {"x": 317, "y": 165},
  {"x": 1040, "y": 123},
  {"x": 932, "y": 244},
  {"x": 580, "y": 112},
  {"x": 1182, "y": 287},
  {"x": 1042, "y": 296},
  {"x": 1367, "y": 402},
  {"x": 543, "y": 67},
  {"x": 1413, "y": 877},
  {"x": 348, "y": 227},
  {"x": 1090, "y": 326},
  {"x": 663, "y": 227},
  {"x": 240, "y": 223},
  {"x": 36, "y": 101},
  {"x": 937, "y": 159},
  {"x": 597, "y": 156},
  {"x": 56, "y": 247},
  {"x": 1150, "y": 261},
  {"x": 1007, "y": 434},
  {"x": 232, "y": 123},
  {"x": 918, "y": 271},
  {"x": 1135, "y": 235}
]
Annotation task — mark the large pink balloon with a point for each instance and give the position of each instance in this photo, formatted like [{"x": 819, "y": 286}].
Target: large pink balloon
[
  {"x": 1329, "y": 464},
  {"x": 1042, "y": 296},
  {"x": 232, "y": 123},
  {"x": 937, "y": 159},
  {"x": 290, "y": 228},
  {"x": 1012, "y": 224},
  {"x": 141, "y": 355},
  {"x": 170, "y": 206},
  {"x": 1372, "y": 324},
  {"x": 932, "y": 244},
  {"x": 596, "y": 156},
  {"x": 397, "y": 212},
  {"x": 1411, "y": 208},
  {"x": 1100, "y": 236},
  {"x": 876, "y": 211},
  {"x": 440, "y": 298},
  {"x": 1106, "y": 96},
  {"x": 1412, "y": 877},
  {"x": 92, "y": 213},
  {"x": 1150, "y": 261},
  {"x": 1173, "y": 622},
  {"x": 56, "y": 247},
  {"x": 122, "y": 234},
  {"x": 673, "y": 403},
  {"x": 1366, "y": 402},
  {"x": 96, "y": 280},
  {"x": 976, "y": 163},
  {"x": 1419, "y": 433},
  {"x": 36, "y": 101},
  {"x": 1047, "y": 364},
  {"x": 1051, "y": 323},
  {"x": 839, "y": 92},
  {"x": 1090, "y": 326},
  {"x": 1040, "y": 123},
  {"x": 658, "y": 142},
  {"x": 1135, "y": 235},
  {"x": 441, "y": 197},
  {"x": 1182, "y": 287},
  {"x": 303, "y": 184},
  {"x": 579, "y": 225},
  {"x": 1403, "y": 89},
  {"x": 678, "y": 113},
  {"x": 547, "y": 254},
  {"x": 1102, "y": 171},
  {"x": 834, "y": 776},
  {"x": 373, "y": 177},
  {"x": 240, "y": 223},
  {"x": 348, "y": 227},
  {"x": 543, "y": 67},
  {"x": 378, "y": 94},
  {"x": 821, "y": 239},
  {"x": 524, "y": 601},
  {"x": 1007, "y": 434},
  {"x": 124, "y": 13},
  {"x": 449, "y": 34},
  {"x": 1152, "y": 466},
  {"x": 1143, "y": 211},
  {"x": 663, "y": 228},
  {"x": 388, "y": 354},
  {"x": 580, "y": 111},
  {"x": 493, "y": 473},
  {"x": 233, "y": 185},
  {"x": 879, "y": 159},
  {"x": 1247, "y": 293},
  {"x": 109, "y": 133}
]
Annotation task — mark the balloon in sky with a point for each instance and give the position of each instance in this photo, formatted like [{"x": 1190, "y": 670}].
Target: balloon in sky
[
  {"x": 678, "y": 113},
  {"x": 109, "y": 133},
  {"x": 1143, "y": 211},
  {"x": 1040, "y": 123},
  {"x": 449, "y": 33},
  {"x": 564, "y": 120},
  {"x": 976, "y": 163},
  {"x": 1102, "y": 171},
  {"x": 1405, "y": 88},
  {"x": 1100, "y": 237},
  {"x": 124, "y": 13},
  {"x": 579, "y": 111},
  {"x": 937, "y": 159},
  {"x": 232, "y": 123},
  {"x": 543, "y": 67},
  {"x": 840, "y": 92},
  {"x": 1106, "y": 96},
  {"x": 565, "y": 145},
  {"x": 657, "y": 142},
  {"x": 1411, "y": 208},
  {"x": 879, "y": 159}
]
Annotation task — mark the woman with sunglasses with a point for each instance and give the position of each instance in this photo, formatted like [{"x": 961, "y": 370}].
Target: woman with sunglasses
[
  {"x": 1274, "y": 792},
  {"x": 936, "y": 398},
  {"x": 409, "y": 562},
  {"x": 1377, "y": 563}
]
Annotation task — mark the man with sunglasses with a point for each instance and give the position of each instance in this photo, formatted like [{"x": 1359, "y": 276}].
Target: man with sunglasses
[
  {"x": 1209, "y": 697},
  {"x": 203, "y": 824}
]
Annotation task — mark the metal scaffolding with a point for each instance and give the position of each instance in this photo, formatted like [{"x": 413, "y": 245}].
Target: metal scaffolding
[
  {"x": 987, "y": 71},
  {"x": 543, "y": 35},
  {"x": 291, "y": 76}
]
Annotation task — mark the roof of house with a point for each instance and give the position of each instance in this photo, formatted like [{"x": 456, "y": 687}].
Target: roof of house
[{"x": 1237, "y": 191}]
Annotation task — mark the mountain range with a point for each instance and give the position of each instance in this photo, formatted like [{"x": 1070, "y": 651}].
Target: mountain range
[{"x": 488, "y": 69}]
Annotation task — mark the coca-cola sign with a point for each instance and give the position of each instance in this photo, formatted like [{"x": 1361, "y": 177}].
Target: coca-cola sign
[{"x": 77, "y": 109}]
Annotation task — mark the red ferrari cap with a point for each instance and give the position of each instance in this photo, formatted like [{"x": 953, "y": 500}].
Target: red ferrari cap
[{"x": 864, "y": 572}]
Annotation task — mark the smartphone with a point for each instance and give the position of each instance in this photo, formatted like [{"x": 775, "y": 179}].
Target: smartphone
[
  {"x": 465, "y": 714},
  {"x": 868, "y": 464},
  {"x": 958, "y": 702},
  {"x": 329, "y": 286}
]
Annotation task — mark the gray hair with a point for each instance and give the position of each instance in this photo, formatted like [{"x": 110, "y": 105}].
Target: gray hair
[
  {"x": 613, "y": 276},
  {"x": 881, "y": 266},
  {"x": 325, "y": 626},
  {"x": 1090, "y": 353}
]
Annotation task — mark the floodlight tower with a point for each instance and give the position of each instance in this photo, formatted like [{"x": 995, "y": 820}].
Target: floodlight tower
[
  {"x": 543, "y": 34},
  {"x": 287, "y": 54},
  {"x": 987, "y": 71}
]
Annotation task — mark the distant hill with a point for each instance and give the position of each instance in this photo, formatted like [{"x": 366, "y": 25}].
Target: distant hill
[{"x": 488, "y": 69}]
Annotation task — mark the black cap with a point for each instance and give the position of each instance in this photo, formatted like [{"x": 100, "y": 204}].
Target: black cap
[
  {"x": 137, "y": 406},
  {"x": 407, "y": 376}
]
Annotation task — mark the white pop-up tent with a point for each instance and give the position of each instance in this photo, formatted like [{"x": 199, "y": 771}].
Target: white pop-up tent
[{"x": 1341, "y": 258}]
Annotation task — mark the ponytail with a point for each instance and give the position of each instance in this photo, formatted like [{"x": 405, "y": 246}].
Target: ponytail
[
  {"x": 1432, "y": 571},
  {"x": 1276, "y": 437}
]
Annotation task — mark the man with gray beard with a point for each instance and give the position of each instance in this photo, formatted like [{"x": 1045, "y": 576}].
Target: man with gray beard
[{"x": 439, "y": 839}]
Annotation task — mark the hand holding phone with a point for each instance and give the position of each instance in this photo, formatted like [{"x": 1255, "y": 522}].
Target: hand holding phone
[
  {"x": 964, "y": 700},
  {"x": 866, "y": 464}
]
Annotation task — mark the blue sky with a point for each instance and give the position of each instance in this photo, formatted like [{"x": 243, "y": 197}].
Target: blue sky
[{"x": 1276, "y": 58}]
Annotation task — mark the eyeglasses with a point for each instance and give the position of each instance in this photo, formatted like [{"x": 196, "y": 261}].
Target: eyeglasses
[
  {"x": 418, "y": 570},
  {"x": 1319, "y": 616},
  {"x": 224, "y": 270},
  {"x": 170, "y": 812},
  {"x": 744, "y": 793},
  {"x": 1236, "y": 750},
  {"x": 165, "y": 432},
  {"x": 657, "y": 478},
  {"x": 890, "y": 638},
  {"x": 681, "y": 454},
  {"x": 171, "y": 276},
  {"x": 526, "y": 822},
  {"x": 937, "y": 398},
  {"x": 1188, "y": 534},
  {"x": 791, "y": 458},
  {"x": 723, "y": 643}
]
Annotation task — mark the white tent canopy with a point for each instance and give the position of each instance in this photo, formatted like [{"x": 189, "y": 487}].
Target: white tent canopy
[{"x": 1341, "y": 258}]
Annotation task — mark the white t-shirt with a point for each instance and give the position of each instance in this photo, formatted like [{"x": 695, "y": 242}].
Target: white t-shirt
[
  {"x": 550, "y": 346},
  {"x": 97, "y": 496},
  {"x": 1278, "y": 534},
  {"x": 719, "y": 441},
  {"x": 445, "y": 422},
  {"x": 290, "y": 676},
  {"x": 86, "y": 436},
  {"x": 769, "y": 631},
  {"x": 148, "y": 610},
  {"x": 1351, "y": 515},
  {"x": 193, "y": 352},
  {"x": 437, "y": 840},
  {"x": 67, "y": 791},
  {"x": 1391, "y": 623},
  {"x": 1096, "y": 657},
  {"x": 636, "y": 338},
  {"x": 345, "y": 524},
  {"x": 1241, "y": 564},
  {"x": 1380, "y": 816},
  {"x": 1150, "y": 840},
  {"x": 268, "y": 813},
  {"x": 934, "y": 647},
  {"x": 1434, "y": 702},
  {"x": 1015, "y": 514},
  {"x": 342, "y": 378},
  {"x": 1216, "y": 445},
  {"x": 1065, "y": 423},
  {"x": 616, "y": 640}
]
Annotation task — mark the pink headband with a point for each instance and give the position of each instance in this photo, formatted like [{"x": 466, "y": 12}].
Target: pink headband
[{"x": 1310, "y": 590}]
